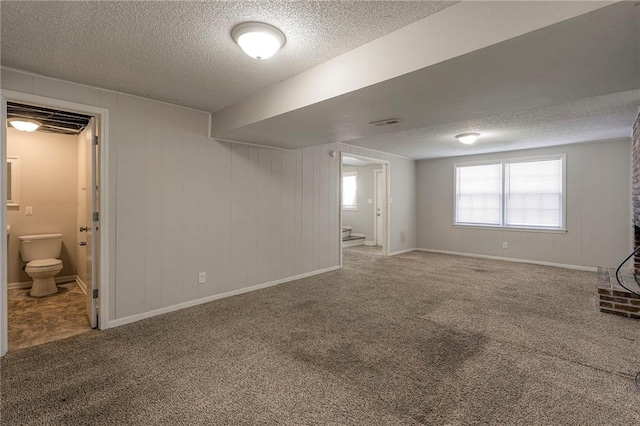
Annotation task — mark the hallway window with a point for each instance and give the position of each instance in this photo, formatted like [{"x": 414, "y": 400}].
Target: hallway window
[{"x": 350, "y": 191}]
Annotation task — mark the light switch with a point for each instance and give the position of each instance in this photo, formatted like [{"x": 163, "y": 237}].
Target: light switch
[{"x": 28, "y": 211}]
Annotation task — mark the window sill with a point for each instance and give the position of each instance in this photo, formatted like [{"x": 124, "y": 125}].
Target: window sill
[{"x": 512, "y": 228}]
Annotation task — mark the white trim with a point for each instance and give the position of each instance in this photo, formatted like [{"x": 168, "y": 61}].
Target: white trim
[
  {"x": 105, "y": 226},
  {"x": 32, "y": 74},
  {"x": 395, "y": 253},
  {"x": 188, "y": 304},
  {"x": 511, "y": 259},
  {"x": 247, "y": 143},
  {"x": 510, "y": 228},
  {"x": 369, "y": 243},
  {"x": 81, "y": 284},
  {"x": 4, "y": 341},
  {"x": 27, "y": 284},
  {"x": 374, "y": 150}
]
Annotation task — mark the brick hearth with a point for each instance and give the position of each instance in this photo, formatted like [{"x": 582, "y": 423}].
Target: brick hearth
[{"x": 612, "y": 298}]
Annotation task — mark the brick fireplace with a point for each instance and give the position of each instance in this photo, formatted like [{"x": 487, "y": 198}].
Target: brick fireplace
[{"x": 614, "y": 299}]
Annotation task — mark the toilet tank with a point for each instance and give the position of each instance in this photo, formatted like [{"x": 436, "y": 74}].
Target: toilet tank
[{"x": 35, "y": 247}]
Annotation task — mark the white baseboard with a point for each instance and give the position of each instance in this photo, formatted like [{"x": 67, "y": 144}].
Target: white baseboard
[
  {"x": 511, "y": 259},
  {"x": 27, "y": 284},
  {"x": 81, "y": 284},
  {"x": 183, "y": 305},
  {"x": 369, "y": 243},
  {"x": 403, "y": 251}
]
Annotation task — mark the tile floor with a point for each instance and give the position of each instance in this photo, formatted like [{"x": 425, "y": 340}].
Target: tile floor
[{"x": 37, "y": 320}]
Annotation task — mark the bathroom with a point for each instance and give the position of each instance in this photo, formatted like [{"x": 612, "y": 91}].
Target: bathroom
[{"x": 47, "y": 217}]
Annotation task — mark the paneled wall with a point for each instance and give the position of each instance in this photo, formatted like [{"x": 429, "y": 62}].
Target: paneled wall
[
  {"x": 598, "y": 209},
  {"x": 184, "y": 204}
]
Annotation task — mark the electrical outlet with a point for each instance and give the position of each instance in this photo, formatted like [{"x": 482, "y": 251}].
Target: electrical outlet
[
  {"x": 28, "y": 211},
  {"x": 505, "y": 245},
  {"x": 202, "y": 277}
]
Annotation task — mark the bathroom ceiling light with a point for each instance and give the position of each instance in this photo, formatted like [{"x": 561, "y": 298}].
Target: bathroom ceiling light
[
  {"x": 467, "y": 138},
  {"x": 258, "y": 40},
  {"x": 24, "y": 124}
]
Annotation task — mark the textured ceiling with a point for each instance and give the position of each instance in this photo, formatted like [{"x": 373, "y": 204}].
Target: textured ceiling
[
  {"x": 598, "y": 118},
  {"x": 182, "y": 52}
]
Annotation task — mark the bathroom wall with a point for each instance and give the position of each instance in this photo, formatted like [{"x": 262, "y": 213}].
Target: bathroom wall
[
  {"x": 48, "y": 179},
  {"x": 362, "y": 221}
]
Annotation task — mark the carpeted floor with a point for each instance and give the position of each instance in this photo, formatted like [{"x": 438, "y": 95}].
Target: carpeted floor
[{"x": 414, "y": 339}]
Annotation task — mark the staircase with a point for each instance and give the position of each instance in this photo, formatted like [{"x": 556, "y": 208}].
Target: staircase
[
  {"x": 612, "y": 298},
  {"x": 350, "y": 240}
]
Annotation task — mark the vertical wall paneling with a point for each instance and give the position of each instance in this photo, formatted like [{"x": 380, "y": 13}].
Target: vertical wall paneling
[
  {"x": 225, "y": 233},
  {"x": 332, "y": 209},
  {"x": 239, "y": 215},
  {"x": 288, "y": 216},
  {"x": 153, "y": 198},
  {"x": 131, "y": 207},
  {"x": 172, "y": 206},
  {"x": 253, "y": 225},
  {"x": 307, "y": 209},
  {"x": 316, "y": 243},
  {"x": 299, "y": 209},
  {"x": 275, "y": 222},
  {"x": 209, "y": 194},
  {"x": 264, "y": 213},
  {"x": 191, "y": 206}
]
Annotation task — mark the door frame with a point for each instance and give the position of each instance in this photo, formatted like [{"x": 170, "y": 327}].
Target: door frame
[
  {"x": 104, "y": 259},
  {"x": 386, "y": 249}
]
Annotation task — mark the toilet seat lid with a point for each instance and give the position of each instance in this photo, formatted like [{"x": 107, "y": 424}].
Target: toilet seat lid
[{"x": 41, "y": 263}]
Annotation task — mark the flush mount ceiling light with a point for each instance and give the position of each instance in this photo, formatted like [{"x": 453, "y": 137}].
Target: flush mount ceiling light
[
  {"x": 258, "y": 40},
  {"x": 467, "y": 138},
  {"x": 24, "y": 124}
]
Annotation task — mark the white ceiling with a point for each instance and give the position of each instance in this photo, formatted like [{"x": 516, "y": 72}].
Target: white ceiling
[
  {"x": 182, "y": 52},
  {"x": 570, "y": 82}
]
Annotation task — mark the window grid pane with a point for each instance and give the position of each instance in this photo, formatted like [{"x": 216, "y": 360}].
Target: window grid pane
[
  {"x": 534, "y": 194},
  {"x": 478, "y": 194}
]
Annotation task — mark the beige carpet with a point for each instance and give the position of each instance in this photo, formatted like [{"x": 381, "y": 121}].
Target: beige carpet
[{"x": 415, "y": 339}]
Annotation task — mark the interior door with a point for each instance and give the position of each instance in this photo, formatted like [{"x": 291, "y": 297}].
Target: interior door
[
  {"x": 381, "y": 211},
  {"x": 92, "y": 224}
]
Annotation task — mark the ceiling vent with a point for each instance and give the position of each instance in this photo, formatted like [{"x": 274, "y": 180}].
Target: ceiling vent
[{"x": 386, "y": 122}]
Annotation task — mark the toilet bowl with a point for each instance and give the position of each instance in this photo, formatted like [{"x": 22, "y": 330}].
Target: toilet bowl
[{"x": 41, "y": 253}]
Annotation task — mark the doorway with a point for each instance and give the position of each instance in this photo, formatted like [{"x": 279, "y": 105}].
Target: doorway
[
  {"x": 364, "y": 205},
  {"x": 65, "y": 148}
]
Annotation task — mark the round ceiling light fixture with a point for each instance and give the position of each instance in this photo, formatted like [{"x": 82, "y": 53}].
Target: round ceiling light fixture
[
  {"x": 24, "y": 124},
  {"x": 468, "y": 138},
  {"x": 257, "y": 39}
]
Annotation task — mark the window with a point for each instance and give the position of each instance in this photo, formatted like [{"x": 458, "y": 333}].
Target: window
[
  {"x": 527, "y": 193},
  {"x": 350, "y": 191}
]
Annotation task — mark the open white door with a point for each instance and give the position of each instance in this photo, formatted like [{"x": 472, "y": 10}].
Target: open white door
[
  {"x": 92, "y": 224},
  {"x": 381, "y": 207},
  {"x": 4, "y": 342}
]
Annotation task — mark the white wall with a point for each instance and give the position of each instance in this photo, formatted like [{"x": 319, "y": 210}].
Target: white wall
[
  {"x": 362, "y": 221},
  {"x": 598, "y": 209},
  {"x": 184, "y": 204}
]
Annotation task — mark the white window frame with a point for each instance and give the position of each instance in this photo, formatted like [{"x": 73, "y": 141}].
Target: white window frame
[
  {"x": 503, "y": 162},
  {"x": 353, "y": 208}
]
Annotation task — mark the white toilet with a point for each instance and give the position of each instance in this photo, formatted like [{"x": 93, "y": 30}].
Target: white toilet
[{"x": 41, "y": 252}]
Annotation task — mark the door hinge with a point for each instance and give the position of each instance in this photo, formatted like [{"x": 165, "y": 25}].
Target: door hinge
[
  {"x": 95, "y": 293},
  {"x": 96, "y": 216},
  {"x": 95, "y": 140}
]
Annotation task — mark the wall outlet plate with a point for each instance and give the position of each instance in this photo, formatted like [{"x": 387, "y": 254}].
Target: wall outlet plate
[
  {"x": 28, "y": 211},
  {"x": 505, "y": 245},
  {"x": 202, "y": 277}
]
